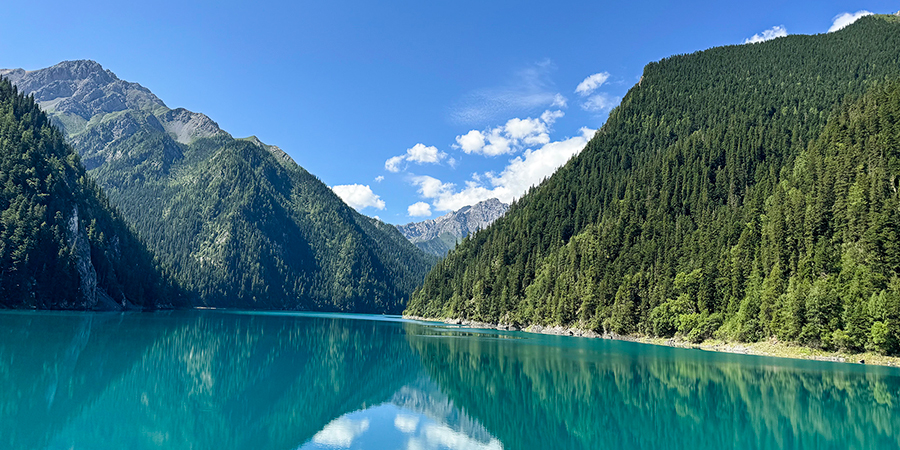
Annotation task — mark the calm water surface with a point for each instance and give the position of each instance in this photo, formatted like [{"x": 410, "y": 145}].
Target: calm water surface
[{"x": 227, "y": 380}]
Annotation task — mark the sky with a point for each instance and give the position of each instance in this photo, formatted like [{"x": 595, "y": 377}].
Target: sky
[{"x": 406, "y": 109}]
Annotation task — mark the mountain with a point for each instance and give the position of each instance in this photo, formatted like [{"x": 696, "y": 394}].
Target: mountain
[
  {"x": 742, "y": 192},
  {"x": 439, "y": 236},
  {"x": 237, "y": 222},
  {"x": 62, "y": 246}
]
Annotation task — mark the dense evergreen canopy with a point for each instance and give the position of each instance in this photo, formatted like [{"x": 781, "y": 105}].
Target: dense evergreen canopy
[
  {"x": 61, "y": 243},
  {"x": 237, "y": 222},
  {"x": 743, "y": 192}
]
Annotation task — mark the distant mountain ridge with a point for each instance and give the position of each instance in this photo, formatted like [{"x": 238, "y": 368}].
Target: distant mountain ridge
[
  {"x": 438, "y": 236},
  {"x": 236, "y": 221}
]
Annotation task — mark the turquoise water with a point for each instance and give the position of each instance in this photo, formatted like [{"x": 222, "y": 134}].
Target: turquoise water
[{"x": 228, "y": 380}]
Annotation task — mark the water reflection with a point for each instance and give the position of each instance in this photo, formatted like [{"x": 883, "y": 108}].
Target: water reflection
[
  {"x": 213, "y": 380},
  {"x": 558, "y": 392},
  {"x": 198, "y": 381}
]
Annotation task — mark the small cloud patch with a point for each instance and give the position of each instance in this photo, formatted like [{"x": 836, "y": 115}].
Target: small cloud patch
[
  {"x": 767, "y": 35},
  {"x": 358, "y": 196}
]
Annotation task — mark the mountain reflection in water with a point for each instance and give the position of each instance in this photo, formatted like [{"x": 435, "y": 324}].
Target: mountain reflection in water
[{"x": 214, "y": 380}]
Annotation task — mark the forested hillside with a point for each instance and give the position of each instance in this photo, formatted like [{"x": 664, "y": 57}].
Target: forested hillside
[
  {"x": 236, "y": 221},
  {"x": 741, "y": 192},
  {"x": 62, "y": 246}
]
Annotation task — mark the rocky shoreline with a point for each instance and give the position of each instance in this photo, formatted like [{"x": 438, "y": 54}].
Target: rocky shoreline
[{"x": 772, "y": 347}]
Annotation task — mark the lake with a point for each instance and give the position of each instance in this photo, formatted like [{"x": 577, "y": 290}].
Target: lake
[{"x": 235, "y": 380}]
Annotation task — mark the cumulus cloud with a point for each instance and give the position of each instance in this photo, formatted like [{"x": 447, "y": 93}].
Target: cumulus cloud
[
  {"x": 419, "y": 154},
  {"x": 497, "y": 144},
  {"x": 471, "y": 142},
  {"x": 521, "y": 173},
  {"x": 379, "y": 178},
  {"x": 591, "y": 83},
  {"x": 358, "y": 196},
  {"x": 522, "y": 128},
  {"x": 431, "y": 187},
  {"x": 511, "y": 137},
  {"x": 600, "y": 102},
  {"x": 842, "y": 20},
  {"x": 393, "y": 163},
  {"x": 767, "y": 35},
  {"x": 422, "y": 154},
  {"x": 419, "y": 209}
]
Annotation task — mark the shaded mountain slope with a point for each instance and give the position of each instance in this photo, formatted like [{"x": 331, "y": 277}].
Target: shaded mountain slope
[
  {"x": 238, "y": 222},
  {"x": 61, "y": 243}
]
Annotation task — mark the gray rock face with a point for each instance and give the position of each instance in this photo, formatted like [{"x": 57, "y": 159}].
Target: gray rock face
[
  {"x": 81, "y": 88},
  {"x": 187, "y": 126},
  {"x": 438, "y": 236},
  {"x": 76, "y": 93},
  {"x": 78, "y": 240}
]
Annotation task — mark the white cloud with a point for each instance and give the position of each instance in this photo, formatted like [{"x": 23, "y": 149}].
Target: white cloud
[
  {"x": 842, "y": 20},
  {"x": 512, "y": 137},
  {"x": 520, "y": 174},
  {"x": 470, "y": 142},
  {"x": 431, "y": 187},
  {"x": 549, "y": 117},
  {"x": 419, "y": 154},
  {"x": 522, "y": 128},
  {"x": 600, "y": 102},
  {"x": 393, "y": 163},
  {"x": 535, "y": 165},
  {"x": 591, "y": 83},
  {"x": 559, "y": 101},
  {"x": 767, "y": 35},
  {"x": 497, "y": 144},
  {"x": 379, "y": 178},
  {"x": 422, "y": 154},
  {"x": 358, "y": 196},
  {"x": 341, "y": 432},
  {"x": 419, "y": 209}
]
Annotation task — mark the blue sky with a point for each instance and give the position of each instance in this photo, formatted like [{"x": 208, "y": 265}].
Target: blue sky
[{"x": 407, "y": 109}]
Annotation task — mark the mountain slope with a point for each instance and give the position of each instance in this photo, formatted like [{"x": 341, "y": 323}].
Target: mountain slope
[
  {"x": 238, "y": 222},
  {"x": 673, "y": 220},
  {"x": 62, "y": 246},
  {"x": 439, "y": 236}
]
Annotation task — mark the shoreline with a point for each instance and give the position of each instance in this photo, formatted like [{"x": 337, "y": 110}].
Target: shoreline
[{"x": 771, "y": 347}]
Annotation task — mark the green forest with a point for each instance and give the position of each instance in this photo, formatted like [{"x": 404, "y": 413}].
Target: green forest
[
  {"x": 240, "y": 224},
  {"x": 742, "y": 192},
  {"x": 61, "y": 243}
]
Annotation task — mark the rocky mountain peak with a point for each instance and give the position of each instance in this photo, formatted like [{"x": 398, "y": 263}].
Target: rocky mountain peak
[
  {"x": 75, "y": 92},
  {"x": 81, "y": 88},
  {"x": 437, "y": 236}
]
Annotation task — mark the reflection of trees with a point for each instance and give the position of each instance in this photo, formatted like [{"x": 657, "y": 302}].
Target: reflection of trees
[
  {"x": 536, "y": 396},
  {"x": 211, "y": 381},
  {"x": 54, "y": 364}
]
